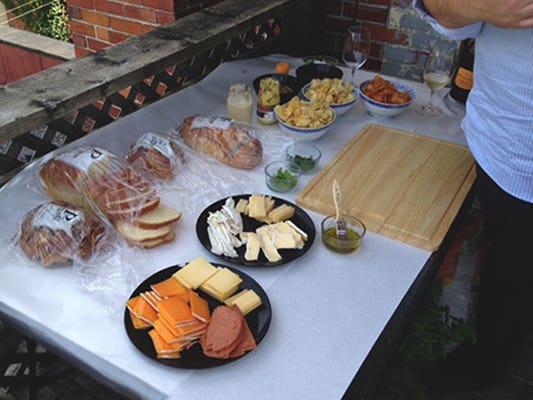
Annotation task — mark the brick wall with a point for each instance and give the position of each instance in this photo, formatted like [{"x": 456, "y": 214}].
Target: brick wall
[
  {"x": 24, "y": 53},
  {"x": 17, "y": 63},
  {"x": 96, "y": 24},
  {"x": 400, "y": 39}
]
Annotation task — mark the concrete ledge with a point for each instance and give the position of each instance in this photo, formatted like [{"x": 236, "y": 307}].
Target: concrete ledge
[{"x": 37, "y": 43}]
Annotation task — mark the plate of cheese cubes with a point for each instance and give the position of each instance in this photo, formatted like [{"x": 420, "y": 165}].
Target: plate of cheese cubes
[
  {"x": 198, "y": 315},
  {"x": 255, "y": 230}
]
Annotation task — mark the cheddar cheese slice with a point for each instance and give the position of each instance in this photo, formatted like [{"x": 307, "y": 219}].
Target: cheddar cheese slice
[
  {"x": 175, "y": 310},
  {"x": 144, "y": 311},
  {"x": 152, "y": 298},
  {"x": 169, "y": 287},
  {"x": 164, "y": 348},
  {"x": 199, "y": 307}
]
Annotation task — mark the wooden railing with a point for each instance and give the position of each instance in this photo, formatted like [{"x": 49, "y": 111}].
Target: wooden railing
[{"x": 59, "y": 105}]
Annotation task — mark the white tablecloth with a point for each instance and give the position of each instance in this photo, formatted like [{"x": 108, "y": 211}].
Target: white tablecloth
[{"x": 328, "y": 309}]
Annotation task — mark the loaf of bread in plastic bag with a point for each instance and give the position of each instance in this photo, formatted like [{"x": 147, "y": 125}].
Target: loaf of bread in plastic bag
[
  {"x": 58, "y": 233},
  {"x": 223, "y": 139},
  {"x": 156, "y": 155}
]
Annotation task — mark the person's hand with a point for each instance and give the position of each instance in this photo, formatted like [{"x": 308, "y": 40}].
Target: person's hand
[{"x": 512, "y": 14}]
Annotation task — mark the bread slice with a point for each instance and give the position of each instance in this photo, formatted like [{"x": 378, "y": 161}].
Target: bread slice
[
  {"x": 124, "y": 198},
  {"x": 158, "y": 217},
  {"x": 150, "y": 244},
  {"x": 135, "y": 234},
  {"x": 135, "y": 211}
]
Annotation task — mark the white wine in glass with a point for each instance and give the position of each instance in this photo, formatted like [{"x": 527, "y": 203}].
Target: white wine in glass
[
  {"x": 438, "y": 71},
  {"x": 356, "y": 48}
]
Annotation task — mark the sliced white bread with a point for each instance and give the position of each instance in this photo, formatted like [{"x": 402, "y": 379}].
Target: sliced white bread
[
  {"x": 158, "y": 217},
  {"x": 150, "y": 244},
  {"x": 124, "y": 198},
  {"x": 135, "y": 234},
  {"x": 135, "y": 210}
]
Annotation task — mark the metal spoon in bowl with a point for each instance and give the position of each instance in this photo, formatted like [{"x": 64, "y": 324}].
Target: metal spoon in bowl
[{"x": 340, "y": 226}]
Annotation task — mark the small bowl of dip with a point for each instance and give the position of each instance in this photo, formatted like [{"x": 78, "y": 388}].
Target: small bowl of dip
[{"x": 345, "y": 243}]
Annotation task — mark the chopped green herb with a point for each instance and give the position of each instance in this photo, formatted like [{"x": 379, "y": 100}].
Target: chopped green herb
[
  {"x": 283, "y": 180},
  {"x": 305, "y": 163}
]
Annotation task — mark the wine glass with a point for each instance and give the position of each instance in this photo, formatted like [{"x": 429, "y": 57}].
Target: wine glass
[
  {"x": 438, "y": 71},
  {"x": 356, "y": 48}
]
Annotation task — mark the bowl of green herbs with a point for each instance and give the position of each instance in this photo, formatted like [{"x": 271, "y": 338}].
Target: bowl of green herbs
[
  {"x": 305, "y": 155},
  {"x": 282, "y": 176}
]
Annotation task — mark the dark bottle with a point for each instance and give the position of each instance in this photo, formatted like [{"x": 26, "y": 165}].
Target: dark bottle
[{"x": 463, "y": 79}]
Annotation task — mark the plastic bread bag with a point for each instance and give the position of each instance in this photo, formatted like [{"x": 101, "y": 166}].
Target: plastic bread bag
[
  {"x": 112, "y": 276},
  {"x": 223, "y": 139},
  {"x": 156, "y": 155},
  {"x": 63, "y": 175},
  {"x": 57, "y": 233},
  {"x": 94, "y": 178}
]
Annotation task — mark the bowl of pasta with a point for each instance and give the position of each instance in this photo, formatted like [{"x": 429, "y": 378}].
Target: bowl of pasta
[
  {"x": 340, "y": 95},
  {"x": 304, "y": 120},
  {"x": 384, "y": 98}
]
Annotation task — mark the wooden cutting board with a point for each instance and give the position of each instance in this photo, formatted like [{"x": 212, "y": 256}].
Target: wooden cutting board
[{"x": 403, "y": 186}]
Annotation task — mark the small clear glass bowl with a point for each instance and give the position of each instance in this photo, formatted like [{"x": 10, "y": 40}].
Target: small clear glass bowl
[
  {"x": 282, "y": 175},
  {"x": 347, "y": 243},
  {"x": 305, "y": 155}
]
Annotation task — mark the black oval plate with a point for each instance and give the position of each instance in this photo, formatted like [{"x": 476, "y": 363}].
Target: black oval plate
[
  {"x": 258, "y": 320},
  {"x": 300, "y": 218}
]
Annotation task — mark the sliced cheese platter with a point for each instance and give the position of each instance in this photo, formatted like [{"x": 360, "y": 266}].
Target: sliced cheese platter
[
  {"x": 278, "y": 234},
  {"x": 195, "y": 354}
]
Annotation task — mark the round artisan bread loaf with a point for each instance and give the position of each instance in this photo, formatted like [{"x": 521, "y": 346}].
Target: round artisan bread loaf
[
  {"x": 223, "y": 140},
  {"x": 156, "y": 155},
  {"x": 57, "y": 233}
]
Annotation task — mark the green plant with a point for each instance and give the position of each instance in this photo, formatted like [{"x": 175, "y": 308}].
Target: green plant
[
  {"x": 44, "y": 17},
  {"x": 433, "y": 331}
]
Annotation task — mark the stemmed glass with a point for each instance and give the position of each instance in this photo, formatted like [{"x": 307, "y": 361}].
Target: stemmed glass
[
  {"x": 356, "y": 48},
  {"x": 438, "y": 70}
]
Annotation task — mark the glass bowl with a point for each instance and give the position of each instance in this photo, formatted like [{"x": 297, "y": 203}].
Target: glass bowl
[
  {"x": 282, "y": 176},
  {"x": 305, "y": 155},
  {"x": 348, "y": 243}
]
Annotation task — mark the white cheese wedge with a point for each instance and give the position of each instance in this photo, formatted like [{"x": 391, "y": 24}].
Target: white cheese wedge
[
  {"x": 297, "y": 229},
  {"x": 269, "y": 250},
  {"x": 253, "y": 246}
]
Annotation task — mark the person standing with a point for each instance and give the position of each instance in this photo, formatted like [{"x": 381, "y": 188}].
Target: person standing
[{"x": 498, "y": 126}]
